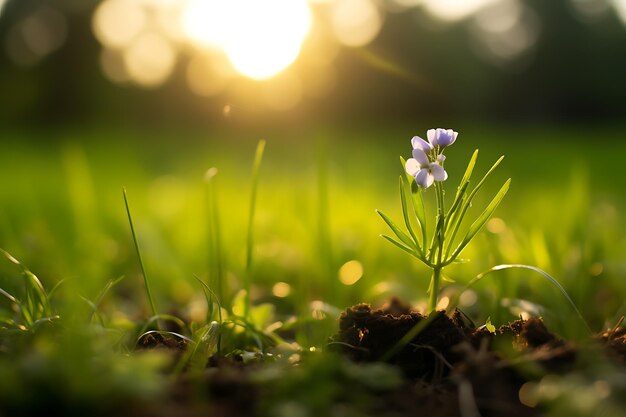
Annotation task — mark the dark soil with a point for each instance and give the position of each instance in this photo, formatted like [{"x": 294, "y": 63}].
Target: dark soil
[
  {"x": 449, "y": 365},
  {"x": 459, "y": 361}
]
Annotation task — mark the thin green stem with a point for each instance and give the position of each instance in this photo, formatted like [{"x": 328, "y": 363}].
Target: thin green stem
[
  {"x": 437, "y": 247},
  {"x": 143, "y": 270},
  {"x": 434, "y": 289},
  {"x": 258, "y": 158},
  {"x": 215, "y": 238}
]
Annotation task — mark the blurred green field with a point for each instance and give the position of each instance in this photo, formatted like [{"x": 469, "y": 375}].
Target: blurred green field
[{"x": 62, "y": 215}]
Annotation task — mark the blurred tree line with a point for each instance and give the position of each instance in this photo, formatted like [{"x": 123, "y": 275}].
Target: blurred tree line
[{"x": 575, "y": 72}]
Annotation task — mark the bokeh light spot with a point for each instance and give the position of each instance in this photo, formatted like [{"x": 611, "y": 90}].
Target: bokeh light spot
[
  {"x": 281, "y": 289},
  {"x": 149, "y": 59},
  {"x": 117, "y": 22},
  {"x": 350, "y": 272},
  {"x": 496, "y": 225},
  {"x": 528, "y": 394},
  {"x": 454, "y": 10},
  {"x": 39, "y": 34},
  {"x": 356, "y": 22}
]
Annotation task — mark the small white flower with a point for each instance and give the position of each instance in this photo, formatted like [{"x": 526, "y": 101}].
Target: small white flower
[{"x": 424, "y": 171}]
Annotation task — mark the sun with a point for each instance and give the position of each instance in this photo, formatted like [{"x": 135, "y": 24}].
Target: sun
[{"x": 260, "y": 38}]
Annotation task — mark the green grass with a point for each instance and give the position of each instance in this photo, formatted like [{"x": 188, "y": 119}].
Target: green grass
[
  {"x": 63, "y": 217},
  {"x": 62, "y": 214}
]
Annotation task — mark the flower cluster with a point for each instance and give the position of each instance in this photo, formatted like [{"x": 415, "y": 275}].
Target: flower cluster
[{"x": 426, "y": 166}]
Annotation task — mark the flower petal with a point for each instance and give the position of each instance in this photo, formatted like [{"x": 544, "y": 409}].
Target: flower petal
[
  {"x": 412, "y": 167},
  {"x": 432, "y": 136},
  {"x": 440, "y": 158},
  {"x": 424, "y": 178},
  {"x": 454, "y": 135},
  {"x": 438, "y": 173},
  {"x": 419, "y": 143},
  {"x": 421, "y": 157}
]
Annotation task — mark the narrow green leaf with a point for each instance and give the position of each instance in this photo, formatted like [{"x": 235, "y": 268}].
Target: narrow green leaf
[
  {"x": 543, "y": 273},
  {"x": 469, "y": 169},
  {"x": 207, "y": 291},
  {"x": 397, "y": 231},
  {"x": 94, "y": 310},
  {"x": 463, "y": 185},
  {"x": 256, "y": 170},
  {"x": 400, "y": 245},
  {"x": 458, "y": 218},
  {"x": 204, "y": 347},
  {"x": 9, "y": 296},
  {"x": 158, "y": 318},
  {"x": 481, "y": 220},
  {"x": 418, "y": 207},
  {"x": 405, "y": 214},
  {"x": 143, "y": 270}
]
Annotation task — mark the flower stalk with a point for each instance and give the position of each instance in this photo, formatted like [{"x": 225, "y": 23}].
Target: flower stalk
[{"x": 426, "y": 168}]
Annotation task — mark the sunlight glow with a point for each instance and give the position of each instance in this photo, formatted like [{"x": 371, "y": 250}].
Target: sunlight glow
[
  {"x": 356, "y": 22},
  {"x": 620, "y": 9},
  {"x": 260, "y": 39},
  {"x": 207, "y": 22}
]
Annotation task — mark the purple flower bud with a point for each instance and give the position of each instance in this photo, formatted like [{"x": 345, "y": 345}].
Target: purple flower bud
[{"x": 441, "y": 137}]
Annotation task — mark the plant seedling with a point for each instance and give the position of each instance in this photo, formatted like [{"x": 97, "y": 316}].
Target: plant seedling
[{"x": 426, "y": 169}]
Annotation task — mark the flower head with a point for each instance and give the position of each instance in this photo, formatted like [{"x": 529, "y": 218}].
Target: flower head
[
  {"x": 440, "y": 138},
  {"x": 423, "y": 170}
]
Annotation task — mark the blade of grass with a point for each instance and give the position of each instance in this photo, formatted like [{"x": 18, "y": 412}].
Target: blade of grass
[
  {"x": 458, "y": 199},
  {"x": 397, "y": 231},
  {"x": 158, "y": 318},
  {"x": 214, "y": 235},
  {"x": 256, "y": 168},
  {"x": 541, "y": 272},
  {"x": 465, "y": 206},
  {"x": 405, "y": 214},
  {"x": 95, "y": 306},
  {"x": 36, "y": 304},
  {"x": 480, "y": 221},
  {"x": 400, "y": 245},
  {"x": 143, "y": 269},
  {"x": 208, "y": 293}
]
